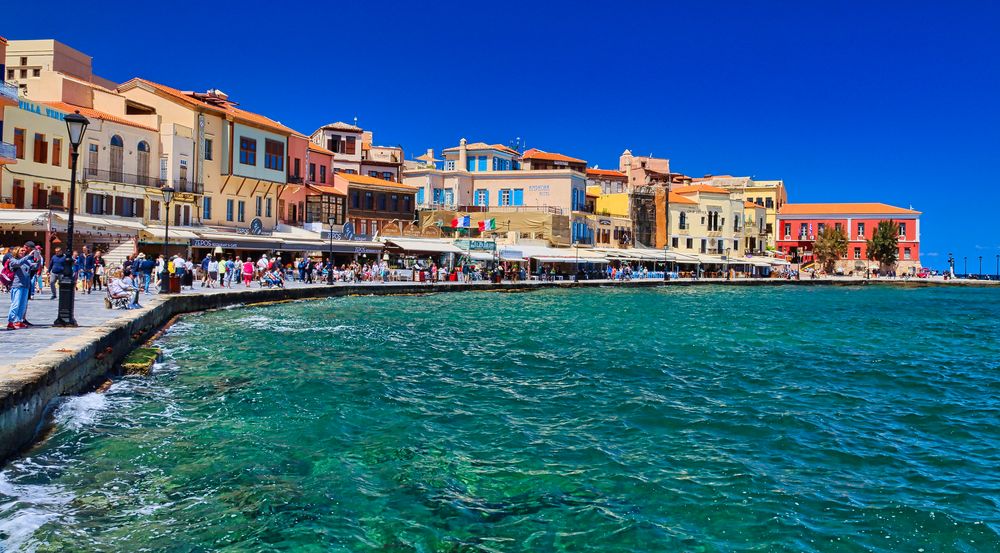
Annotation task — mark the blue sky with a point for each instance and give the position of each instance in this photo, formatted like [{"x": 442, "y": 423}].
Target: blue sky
[{"x": 845, "y": 101}]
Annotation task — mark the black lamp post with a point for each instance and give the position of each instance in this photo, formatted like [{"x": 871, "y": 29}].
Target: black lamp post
[
  {"x": 168, "y": 194},
  {"x": 329, "y": 276},
  {"x": 76, "y": 125}
]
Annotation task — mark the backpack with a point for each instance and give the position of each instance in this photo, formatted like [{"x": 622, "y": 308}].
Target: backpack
[{"x": 6, "y": 275}]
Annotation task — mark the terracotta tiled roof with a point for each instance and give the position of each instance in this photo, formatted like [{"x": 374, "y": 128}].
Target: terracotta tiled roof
[
  {"x": 751, "y": 204},
  {"x": 606, "y": 173},
  {"x": 372, "y": 181},
  {"x": 94, "y": 114},
  {"x": 676, "y": 198},
  {"x": 3, "y": 40},
  {"x": 845, "y": 209},
  {"x": 317, "y": 148},
  {"x": 326, "y": 189},
  {"x": 341, "y": 126},
  {"x": 703, "y": 188},
  {"x": 240, "y": 115},
  {"x": 535, "y": 153}
]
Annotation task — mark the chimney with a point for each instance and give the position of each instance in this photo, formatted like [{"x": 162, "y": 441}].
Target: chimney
[{"x": 462, "y": 155}]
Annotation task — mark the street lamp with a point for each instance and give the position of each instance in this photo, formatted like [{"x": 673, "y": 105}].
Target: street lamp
[
  {"x": 76, "y": 126},
  {"x": 168, "y": 194}
]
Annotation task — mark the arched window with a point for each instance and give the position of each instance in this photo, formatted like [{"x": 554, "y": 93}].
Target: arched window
[
  {"x": 142, "y": 163},
  {"x": 117, "y": 158},
  {"x": 683, "y": 220}
]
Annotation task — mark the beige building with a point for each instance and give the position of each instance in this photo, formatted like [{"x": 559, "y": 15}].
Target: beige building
[
  {"x": 490, "y": 178},
  {"x": 380, "y": 162},
  {"x": 770, "y": 194},
  {"x": 28, "y": 60},
  {"x": 706, "y": 220},
  {"x": 345, "y": 141}
]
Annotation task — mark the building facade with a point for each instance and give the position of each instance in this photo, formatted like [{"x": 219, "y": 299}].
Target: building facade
[{"x": 799, "y": 224}]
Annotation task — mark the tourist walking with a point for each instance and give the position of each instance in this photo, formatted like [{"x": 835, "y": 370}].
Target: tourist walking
[
  {"x": 19, "y": 268},
  {"x": 213, "y": 273},
  {"x": 204, "y": 270},
  {"x": 56, "y": 268},
  {"x": 100, "y": 268},
  {"x": 247, "y": 272},
  {"x": 87, "y": 275}
]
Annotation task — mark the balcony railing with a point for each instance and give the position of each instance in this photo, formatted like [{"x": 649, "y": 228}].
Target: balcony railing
[
  {"x": 293, "y": 179},
  {"x": 511, "y": 209},
  {"x": 187, "y": 186},
  {"x": 7, "y": 152},
  {"x": 8, "y": 91},
  {"x": 119, "y": 177}
]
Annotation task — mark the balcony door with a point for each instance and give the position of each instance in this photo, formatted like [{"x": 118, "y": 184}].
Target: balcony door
[
  {"x": 142, "y": 163},
  {"x": 117, "y": 158}
]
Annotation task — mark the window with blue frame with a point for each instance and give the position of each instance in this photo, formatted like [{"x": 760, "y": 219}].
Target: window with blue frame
[
  {"x": 420, "y": 196},
  {"x": 438, "y": 196},
  {"x": 504, "y": 197},
  {"x": 482, "y": 163},
  {"x": 206, "y": 207},
  {"x": 449, "y": 196},
  {"x": 496, "y": 164},
  {"x": 482, "y": 197},
  {"x": 518, "y": 196},
  {"x": 229, "y": 210},
  {"x": 470, "y": 164}
]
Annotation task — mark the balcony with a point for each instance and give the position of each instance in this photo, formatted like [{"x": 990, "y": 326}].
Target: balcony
[
  {"x": 510, "y": 209},
  {"x": 294, "y": 179},
  {"x": 119, "y": 177},
  {"x": 8, "y": 94},
  {"x": 185, "y": 186},
  {"x": 8, "y": 154}
]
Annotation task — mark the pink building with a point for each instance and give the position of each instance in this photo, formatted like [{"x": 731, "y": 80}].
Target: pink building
[
  {"x": 799, "y": 224},
  {"x": 311, "y": 196}
]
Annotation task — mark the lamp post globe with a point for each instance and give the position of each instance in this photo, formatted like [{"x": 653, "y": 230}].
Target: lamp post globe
[
  {"x": 76, "y": 127},
  {"x": 168, "y": 195}
]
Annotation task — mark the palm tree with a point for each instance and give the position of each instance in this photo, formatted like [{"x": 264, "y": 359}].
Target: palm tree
[
  {"x": 830, "y": 245},
  {"x": 884, "y": 245}
]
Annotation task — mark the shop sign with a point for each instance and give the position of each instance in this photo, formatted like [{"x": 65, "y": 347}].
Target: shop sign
[
  {"x": 256, "y": 228},
  {"x": 477, "y": 245},
  {"x": 200, "y": 243}
]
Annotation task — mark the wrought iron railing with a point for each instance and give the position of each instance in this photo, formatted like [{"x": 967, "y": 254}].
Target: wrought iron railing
[{"x": 120, "y": 177}]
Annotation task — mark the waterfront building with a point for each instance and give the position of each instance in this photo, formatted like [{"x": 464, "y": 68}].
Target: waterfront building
[
  {"x": 310, "y": 199},
  {"x": 529, "y": 199},
  {"x": 345, "y": 141},
  {"x": 799, "y": 224},
  {"x": 229, "y": 163},
  {"x": 28, "y": 60},
  {"x": 381, "y": 162},
  {"x": 375, "y": 205},
  {"x": 712, "y": 225},
  {"x": 755, "y": 236},
  {"x": 771, "y": 194}
]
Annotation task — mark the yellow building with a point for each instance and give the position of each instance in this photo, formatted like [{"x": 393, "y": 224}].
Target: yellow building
[{"x": 706, "y": 220}]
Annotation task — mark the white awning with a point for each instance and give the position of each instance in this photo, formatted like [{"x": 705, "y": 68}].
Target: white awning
[
  {"x": 23, "y": 217},
  {"x": 175, "y": 233},
  {"x": 418, "y": 245},
  {"x": 775, "y": 261},
  {"x": 479, "y": 256},
  {"x": 572, "y": 260},
  {"x": 99, "y": 222}
]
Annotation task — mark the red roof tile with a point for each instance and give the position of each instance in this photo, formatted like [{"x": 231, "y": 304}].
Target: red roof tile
[
  {"x": 845, "y": 209},
  {"x": 535, "y": 153},
  {"x": 94, "y": 114}
]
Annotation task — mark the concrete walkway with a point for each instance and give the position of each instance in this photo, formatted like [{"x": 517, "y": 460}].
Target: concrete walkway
[{"x": 21, "y": 345}]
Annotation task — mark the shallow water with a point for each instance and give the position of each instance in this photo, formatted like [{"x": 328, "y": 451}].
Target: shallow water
[{"x": 697, "y": 419}]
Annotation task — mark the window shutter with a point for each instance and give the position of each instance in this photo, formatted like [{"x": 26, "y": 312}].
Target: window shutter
[
  {"x": 119, "y": 205},
  {"x": 89, "y": 207},
  {"x": 106, "y": 208},
  {"x": 140, "y": 208}
]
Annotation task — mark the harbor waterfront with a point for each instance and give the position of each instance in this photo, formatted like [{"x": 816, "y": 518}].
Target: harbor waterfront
[{"x": 863, "y": 418}]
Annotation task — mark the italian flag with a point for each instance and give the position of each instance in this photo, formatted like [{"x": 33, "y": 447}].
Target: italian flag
[{"x": 488, "y": 224}]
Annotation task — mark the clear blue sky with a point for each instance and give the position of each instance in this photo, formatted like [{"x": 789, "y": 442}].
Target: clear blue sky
[{"x": 846, "y": 101}]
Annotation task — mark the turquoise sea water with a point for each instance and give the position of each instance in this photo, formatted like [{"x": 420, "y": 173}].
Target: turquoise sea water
[{"x": 681, "y": 419}]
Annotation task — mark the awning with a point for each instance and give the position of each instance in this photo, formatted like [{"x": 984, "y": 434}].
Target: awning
[
  {"x": 417, "y": 245},
  {"x": 479, "y": 256},
  {"x": 156, "y": 233},
  {"x": 23, "y": 217},
  {"x": 572, "y": 260},
  {"x": 323, "y": 189}
]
